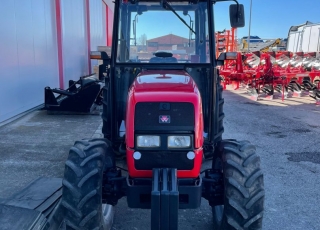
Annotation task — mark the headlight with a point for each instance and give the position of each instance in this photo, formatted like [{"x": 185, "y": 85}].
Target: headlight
[
  {"x": 148, "y": 141},
  {"x": 179, "y": 141}
]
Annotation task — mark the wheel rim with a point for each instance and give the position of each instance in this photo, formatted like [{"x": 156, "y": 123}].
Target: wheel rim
[
  {"x": 107, "y": 215},
  {"x": 219, "y": 212},
  {"x": 104, "y": 209},
  {"x": 220, "y": 208}
]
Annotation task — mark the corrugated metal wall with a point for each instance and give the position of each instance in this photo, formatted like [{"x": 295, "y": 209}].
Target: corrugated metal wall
[
  {"x": 28, "y": 59},
  {"x": 109, "y": 19},
  {"x": 74, "y": 41},
  {"x": 97, "y": 28},
  {"x": 29, "y": 51}
]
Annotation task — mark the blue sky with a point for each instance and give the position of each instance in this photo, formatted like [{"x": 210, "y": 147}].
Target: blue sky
[{"x": 270, "y": 18}]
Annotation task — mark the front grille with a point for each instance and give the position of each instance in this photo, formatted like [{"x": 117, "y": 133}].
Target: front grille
[
  {"x": 147, "y": 116},
  {"x": 168, "y": 159}
]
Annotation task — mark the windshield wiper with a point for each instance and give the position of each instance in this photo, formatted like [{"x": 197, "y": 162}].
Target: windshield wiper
[{"x": 166, "y": 5}]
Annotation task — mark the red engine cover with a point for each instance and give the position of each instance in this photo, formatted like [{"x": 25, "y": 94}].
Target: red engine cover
[{"x": 164, "y": 86}]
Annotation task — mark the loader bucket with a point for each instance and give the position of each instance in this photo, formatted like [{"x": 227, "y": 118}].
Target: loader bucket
[{"x": 78, "y": 98}]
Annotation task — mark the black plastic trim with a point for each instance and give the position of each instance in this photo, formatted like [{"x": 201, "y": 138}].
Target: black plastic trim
[
  {"x": 140, "y": 190},
  {"x": 164, "y": 159}
]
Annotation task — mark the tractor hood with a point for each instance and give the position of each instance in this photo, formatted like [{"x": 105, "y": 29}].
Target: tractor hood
[
  {"x": 153, "y": 81},
  {"x": 169, "y": 86}
]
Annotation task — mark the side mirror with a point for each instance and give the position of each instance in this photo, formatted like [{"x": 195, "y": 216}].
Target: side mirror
[
  {"x": 236, "y": 12},
  {"x": 142, "y": 9}
]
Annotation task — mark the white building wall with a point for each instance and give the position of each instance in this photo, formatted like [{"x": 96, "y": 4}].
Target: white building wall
[
  {"x": 28, "y": 54},
  {"x": 97, "y": 26},
  {"x": 29, "y": 50},
  {"x": 74, "y": 41},
  {"x": 97, "y": 23},
  {"x": 109, "y": 16}
]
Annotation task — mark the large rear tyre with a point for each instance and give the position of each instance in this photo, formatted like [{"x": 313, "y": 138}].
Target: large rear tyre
[
  {"x": 243, "y": 186},
  {"x": 82, "y": 186}
]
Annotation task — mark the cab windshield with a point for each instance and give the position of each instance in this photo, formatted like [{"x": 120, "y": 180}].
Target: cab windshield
[{"x": 163, "y": 32}]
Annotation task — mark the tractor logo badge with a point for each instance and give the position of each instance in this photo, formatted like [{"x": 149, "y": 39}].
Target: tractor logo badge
[{"x": 164, "y": 119}]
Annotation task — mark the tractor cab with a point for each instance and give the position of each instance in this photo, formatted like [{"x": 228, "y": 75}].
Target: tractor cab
[
  {"x": 158, "y": 36},
  {"x": 153, "y": 30}
]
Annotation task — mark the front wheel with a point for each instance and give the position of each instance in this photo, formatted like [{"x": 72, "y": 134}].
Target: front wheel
[
  {"x": 82, "y": 186},
  {"x": 243, "y": 186}
]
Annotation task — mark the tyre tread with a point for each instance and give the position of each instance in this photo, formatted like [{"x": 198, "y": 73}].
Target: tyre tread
[
  {"x": 250, "y": 160},
  {"x": 252, "y": 178},
  {"x": 71, "y": 188},
  {"x": 72, "y": 209},
  {"x": 254, "y": 199},
  {"x": 89, "y": 158},
  {"x": 234, "y": 223},
  {"x": 74, "y": 168},
  {"x": 237, "y": 166},
  {"x": 239, "y": 187},
  {"x": 244, "y": 187},
  {"x": 238, "y": 207},
  {"x": 88, "y": 217},
  {"x": 86, "y": 177},
  {"x": 82, "y": 185},
  {"x": 77, "y": 151},
  {"x": 253, "y": 219},
  {"x": 86, "y": 198}
]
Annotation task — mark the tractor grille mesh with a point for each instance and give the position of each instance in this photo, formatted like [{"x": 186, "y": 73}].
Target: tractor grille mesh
[
  {"x": 181, "y": 116},
  {"x": 166, "y": 159}
]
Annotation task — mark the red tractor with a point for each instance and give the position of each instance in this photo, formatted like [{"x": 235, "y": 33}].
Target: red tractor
[{"x": 165, "y": 116}]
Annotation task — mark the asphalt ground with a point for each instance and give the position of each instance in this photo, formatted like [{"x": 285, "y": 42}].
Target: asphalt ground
[
  {"x": 37, "y": 145},
  {"x": 286, "y": 135}
]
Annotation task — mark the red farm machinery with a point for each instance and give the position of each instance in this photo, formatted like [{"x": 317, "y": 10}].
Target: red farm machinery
[
  {"x": 278, "y": 72},
  {"x": 268, "y": 73}
]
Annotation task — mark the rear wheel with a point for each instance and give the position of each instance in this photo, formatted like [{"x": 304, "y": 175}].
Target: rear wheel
[
  {"x": 82, "y": 186},
  {"x": 243, "y": 186}
]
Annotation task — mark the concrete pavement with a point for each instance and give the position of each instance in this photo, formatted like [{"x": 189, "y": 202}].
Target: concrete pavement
[
  {"x": 286, "y": 135},
  {"x": 37, "y": 145}
]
